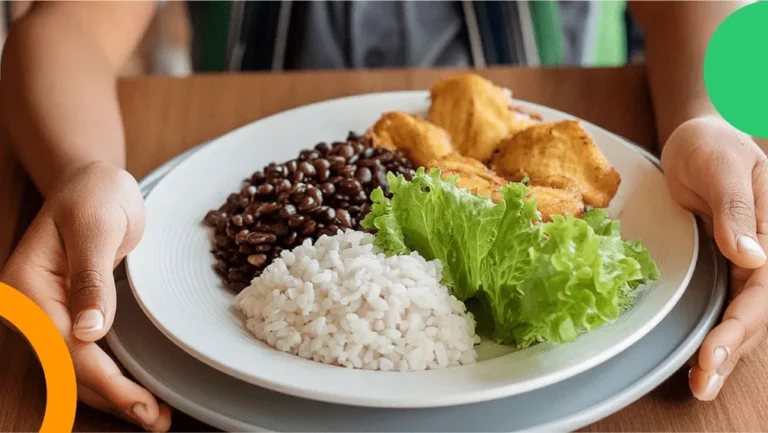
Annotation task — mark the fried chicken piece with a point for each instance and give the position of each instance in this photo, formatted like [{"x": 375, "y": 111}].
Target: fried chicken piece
[
  {"x": 420, "y": 140},
  {"x": 476, "y": 113},
  {"x": 562, "y": 149},
  {"x": 473, "y": 175},
  {"x": 557, "y": 196}
]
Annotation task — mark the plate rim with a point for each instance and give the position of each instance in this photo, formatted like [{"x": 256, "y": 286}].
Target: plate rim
[{"x": 446, "y": 400}]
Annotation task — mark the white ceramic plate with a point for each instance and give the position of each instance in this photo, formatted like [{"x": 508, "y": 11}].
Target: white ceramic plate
[{"x": 171, "y": 271}]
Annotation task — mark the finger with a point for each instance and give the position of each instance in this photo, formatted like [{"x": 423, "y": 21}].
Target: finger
[
  {"x": 99, "y": 373},
  {"x": 760, "y": 186},
  {"x": 91, "y": 243},
  {"x": 744, "y": 319},
  {"x": 739, "y": 277},
  {"x": 730, "y": 195},
  {"x": 94, "y": 400}
]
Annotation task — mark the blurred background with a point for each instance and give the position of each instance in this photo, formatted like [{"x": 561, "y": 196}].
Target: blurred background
[{"x": 203, "y": 36}]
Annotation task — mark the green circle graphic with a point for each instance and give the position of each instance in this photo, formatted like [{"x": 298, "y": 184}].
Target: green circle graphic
[{"x": 736, "y": 69}]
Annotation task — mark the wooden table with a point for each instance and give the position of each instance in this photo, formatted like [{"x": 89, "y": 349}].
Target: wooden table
[{"x": 165, "y": 116}]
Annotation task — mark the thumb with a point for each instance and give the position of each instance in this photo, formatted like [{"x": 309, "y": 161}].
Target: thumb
[
  {"x": 733, "y": 212},
  {"x": 91, "y": 248}
]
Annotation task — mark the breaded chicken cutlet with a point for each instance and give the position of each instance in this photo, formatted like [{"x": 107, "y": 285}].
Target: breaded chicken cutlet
[
  {"x": 473, "y": 175},
  {"x": 476, "y": 113},
  {"x": 559, "y": 150},
  {"x": 561, "y": 198},
  {"x": 420, "y": 140}
]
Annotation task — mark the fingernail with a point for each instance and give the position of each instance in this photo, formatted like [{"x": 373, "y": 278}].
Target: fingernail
[
  {"x": 720, "y": 356},
  {"x": 714, "y": 383},
  {"x": 747, "y": 244},
  {"x": 89, "y": 321},
  {"x": 141, "y": 413},
  {"x": 689, "y": 372}
]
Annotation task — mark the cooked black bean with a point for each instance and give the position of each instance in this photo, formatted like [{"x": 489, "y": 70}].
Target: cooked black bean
[
  {"x": 257, "y": 238},
  {"x": 326, "y": 213},
  {"x": 258, "y": 177},
  {"x": 346, "y": 151},
  {"x": 241, "y": 236},
  {"x": 287, "y": 211},
  {"x": 280, "y": 229},
  {"x": 360, "y": 198},
  {"x": 323, "y": 190},
  {"x": 222, "y": 267},
  {"x": 212, "y": 217},
  {"x": 367, "y": 153},
  {"x": 290, "y": 239},
  {"x": 348, "y": 171},
  {"x": 249, "y": 191},
  {"x": 257, "y": 260},
  {"x": 307, "y": 168},
  {"x": 308, "y": 228},
  {"x": 327, "y": 188},
  {"x": 283, "y": 186},
  {"x": 363, "y": 175},
  {"x": 299, "y": 187},
  {"x": 291, "y": 166},
  {"x": 269, "y": 208},
  {"x": 337, "y": 162},
  {"x": 265, "y": 189},
  {"x": 245, "y": 248},
  {"x": 307, "y": 204},
  {"x": 351, "y": 187},
  {"x": 343, "y": 218},
  {"x": 316, "y": 195},
  {"x": 296, "y": 221},
  {"x": 322, "y": 147}
]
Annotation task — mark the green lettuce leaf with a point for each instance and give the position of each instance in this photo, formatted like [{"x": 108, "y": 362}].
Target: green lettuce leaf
[{"x": 525, "y": 281}]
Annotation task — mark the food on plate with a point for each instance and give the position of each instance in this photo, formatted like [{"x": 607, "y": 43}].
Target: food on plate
[
  {"x": 557, "y": 150},
  {"x": 556, "y": 196},
  {"x": 420, "y": 140},
  {"x": 495, "y": 232},
  {"x": 526, "y": 281},
  {"x": 476, "y": 113},
  {"x": 340, "y": 301},
  {"x": 323, "y": 190},
  {"x": 472, "y": 175}
]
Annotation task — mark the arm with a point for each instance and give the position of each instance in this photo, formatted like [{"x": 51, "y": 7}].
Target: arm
[
  {"x": 58, "y": 94},
  {"x": 714, "y": 170},
  {"x": 59, "y": 102},
  {"x": 676, "y": 38}
]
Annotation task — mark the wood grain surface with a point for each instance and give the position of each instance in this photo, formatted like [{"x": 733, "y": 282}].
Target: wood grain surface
[{"x": 165, "y": 116}]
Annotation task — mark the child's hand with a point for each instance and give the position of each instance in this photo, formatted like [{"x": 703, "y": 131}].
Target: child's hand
[
  {"x": 64, "y": 263},
  {"x": 722, "y": 175}
]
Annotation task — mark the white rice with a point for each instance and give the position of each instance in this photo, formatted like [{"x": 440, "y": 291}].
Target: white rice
[{"x": 342, "y": 302}]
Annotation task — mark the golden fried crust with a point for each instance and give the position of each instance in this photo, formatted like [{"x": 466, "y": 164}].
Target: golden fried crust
[
  {"x": 473, "y": 175},
  {"x": 420, "y": 140},
  {"x": 476, "y": 113},
  {"x": 557, "y": 196},
  {"x": 562, "y": 149}
]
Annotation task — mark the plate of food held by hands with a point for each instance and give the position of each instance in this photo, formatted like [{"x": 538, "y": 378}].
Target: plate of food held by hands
[{"x": 457, "y": 246}]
